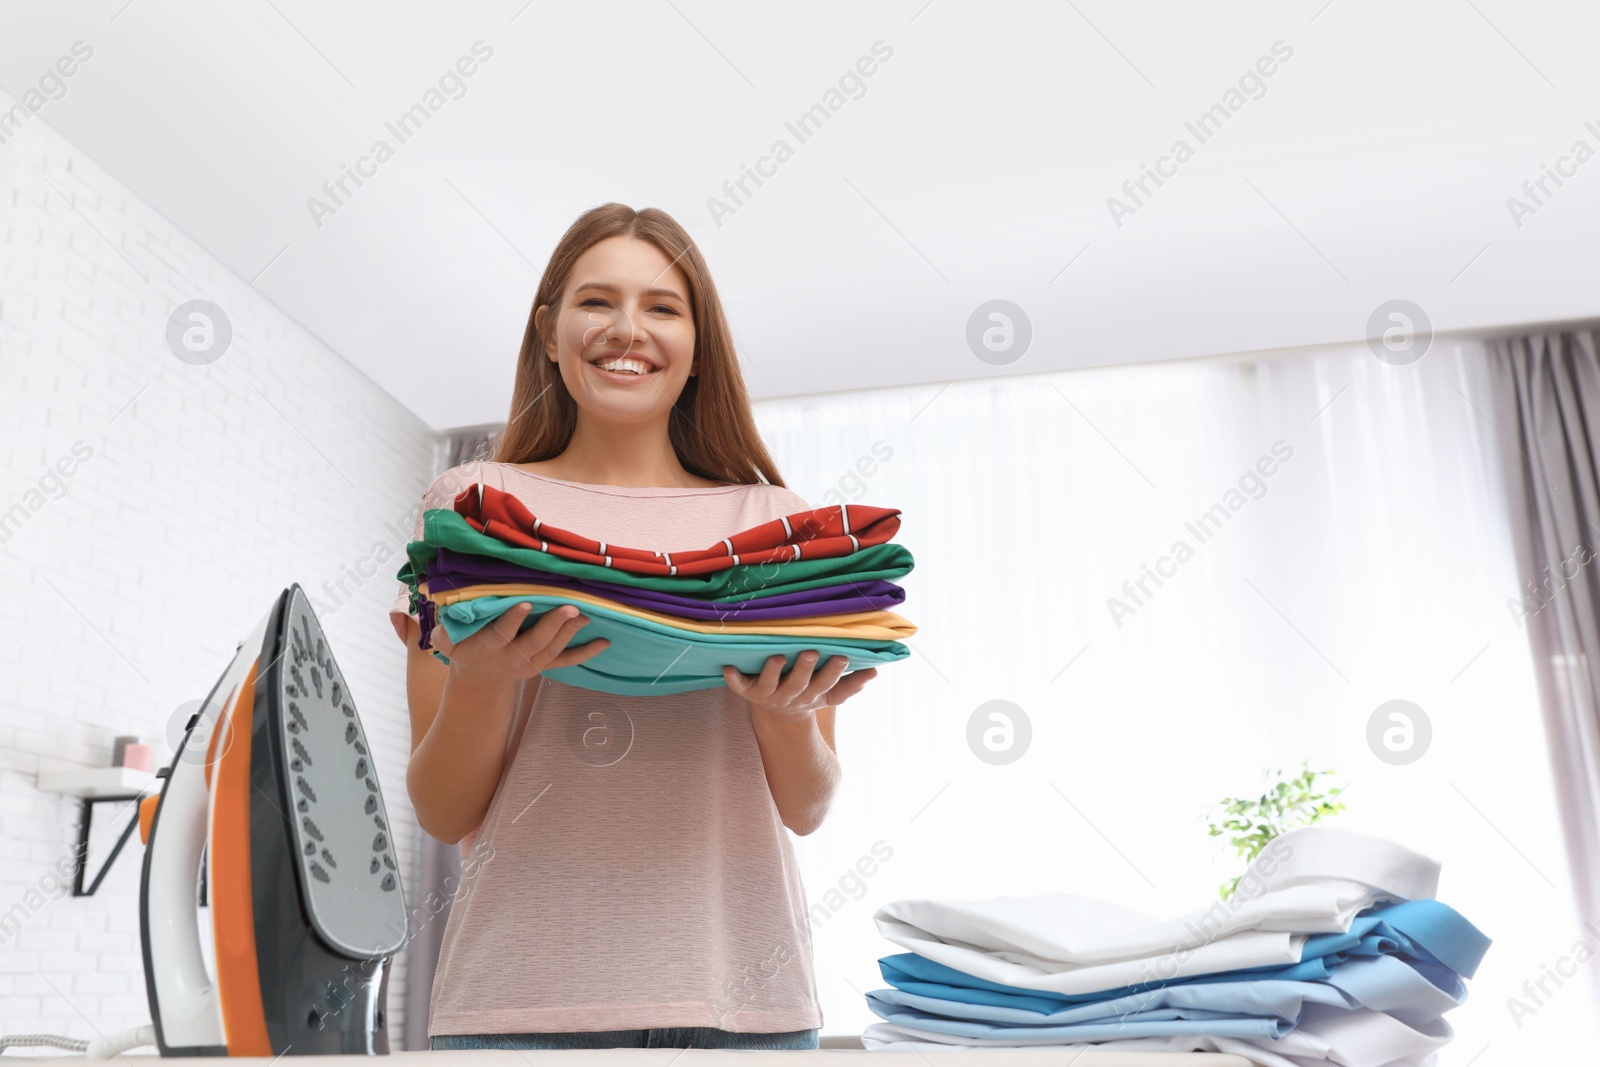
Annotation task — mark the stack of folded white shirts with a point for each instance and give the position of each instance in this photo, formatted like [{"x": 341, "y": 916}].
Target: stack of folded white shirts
[{"x": 1332, "y": 950}]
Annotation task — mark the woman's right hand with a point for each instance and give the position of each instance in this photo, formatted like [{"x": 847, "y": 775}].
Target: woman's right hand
[{"x": 497, "y": 653}]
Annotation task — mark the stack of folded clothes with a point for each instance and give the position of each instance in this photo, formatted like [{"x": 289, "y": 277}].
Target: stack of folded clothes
[
  {"x": 820, "y": 579},
  {"x": 1332, "y": 951}
]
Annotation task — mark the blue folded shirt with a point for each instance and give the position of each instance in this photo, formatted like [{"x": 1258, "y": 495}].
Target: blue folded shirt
[
  {"x": 1410, "y": 990},
  {"x": 1405, "y": 959}
]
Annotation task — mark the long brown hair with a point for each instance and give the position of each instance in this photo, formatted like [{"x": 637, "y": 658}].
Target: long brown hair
[{"x": 712, "y": 427}]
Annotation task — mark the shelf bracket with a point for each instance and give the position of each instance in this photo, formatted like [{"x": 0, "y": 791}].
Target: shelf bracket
[{"x": 81, "y": 862}]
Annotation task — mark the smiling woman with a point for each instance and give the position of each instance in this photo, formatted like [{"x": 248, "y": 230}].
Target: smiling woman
[
  {"x": 631, "y": 424},
  {"x": 621, "y": 336}
]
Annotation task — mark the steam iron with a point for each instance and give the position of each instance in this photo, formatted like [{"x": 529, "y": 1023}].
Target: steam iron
[{"x": 271, "y": 809}]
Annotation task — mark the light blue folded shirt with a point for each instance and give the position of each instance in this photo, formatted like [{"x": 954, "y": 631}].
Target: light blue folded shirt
[
  {"x": 1178, "y": 1022},
  {"x": 918, "y": 974}
]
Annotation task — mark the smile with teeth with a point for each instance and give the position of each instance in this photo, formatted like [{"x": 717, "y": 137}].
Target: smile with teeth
[{"x": 624, "y": 365}]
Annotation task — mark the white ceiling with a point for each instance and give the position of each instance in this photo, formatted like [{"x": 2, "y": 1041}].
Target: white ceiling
[{"x": 977, "y": 165}]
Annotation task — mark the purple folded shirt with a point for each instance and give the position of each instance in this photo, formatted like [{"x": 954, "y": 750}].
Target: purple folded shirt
[{"x": 460, "y": 570}]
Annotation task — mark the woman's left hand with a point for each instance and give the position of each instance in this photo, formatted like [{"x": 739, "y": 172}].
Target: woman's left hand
[{"x": 799, "y": 693}]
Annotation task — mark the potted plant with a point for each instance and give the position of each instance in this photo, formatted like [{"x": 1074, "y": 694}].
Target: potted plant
[{"x": 1287, "y": 803}]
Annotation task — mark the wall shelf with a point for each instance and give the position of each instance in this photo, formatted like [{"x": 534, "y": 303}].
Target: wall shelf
[{"x": 106, "y": 783}]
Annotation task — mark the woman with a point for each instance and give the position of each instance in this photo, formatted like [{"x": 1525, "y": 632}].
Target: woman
[{"x": 640, "y": 888}]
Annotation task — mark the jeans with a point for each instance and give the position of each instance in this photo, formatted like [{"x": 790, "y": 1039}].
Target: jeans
[{"x": 658, "y": 1037}]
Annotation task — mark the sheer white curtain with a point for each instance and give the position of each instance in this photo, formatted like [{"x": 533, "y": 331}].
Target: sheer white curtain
[{"x": 1373, "y": 563}]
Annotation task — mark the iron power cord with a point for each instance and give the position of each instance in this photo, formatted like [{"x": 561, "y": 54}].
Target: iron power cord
[{"x": 101, "y": 1048}]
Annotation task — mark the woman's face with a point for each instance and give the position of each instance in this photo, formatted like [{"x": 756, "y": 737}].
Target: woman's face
[{"x": 626, "y": 307}]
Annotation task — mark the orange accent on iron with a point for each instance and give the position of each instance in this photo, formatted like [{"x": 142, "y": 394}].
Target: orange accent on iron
[
  {"x": 244, "y": 1023},
  {"x": 147, "y": 816},
  {"x": 211, "y": 746}
]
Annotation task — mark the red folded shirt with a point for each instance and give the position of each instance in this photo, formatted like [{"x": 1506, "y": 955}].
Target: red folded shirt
[{"x": 836, "y": 530}]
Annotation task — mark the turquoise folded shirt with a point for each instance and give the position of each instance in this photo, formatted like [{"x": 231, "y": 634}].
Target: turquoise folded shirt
[{"x": 646, "y": 658}]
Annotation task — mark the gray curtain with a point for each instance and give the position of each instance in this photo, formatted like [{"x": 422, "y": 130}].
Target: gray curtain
[
  {"x": 1547, "y": 397},
  {"x": 436, "y": 861}
]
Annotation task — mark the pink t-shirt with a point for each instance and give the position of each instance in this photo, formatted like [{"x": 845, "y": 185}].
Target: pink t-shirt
[{"x": 632, "y": 870}]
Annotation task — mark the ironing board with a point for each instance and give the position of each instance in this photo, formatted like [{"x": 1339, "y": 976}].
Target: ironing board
[{"x": 702, "y": 1057}]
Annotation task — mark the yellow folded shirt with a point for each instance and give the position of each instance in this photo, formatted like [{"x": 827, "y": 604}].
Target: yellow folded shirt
[{"x": 866, "y": 625}]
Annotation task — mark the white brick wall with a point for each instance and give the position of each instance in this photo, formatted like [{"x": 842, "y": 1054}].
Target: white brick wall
[{"x": 219, "y": 486}]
